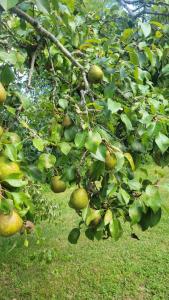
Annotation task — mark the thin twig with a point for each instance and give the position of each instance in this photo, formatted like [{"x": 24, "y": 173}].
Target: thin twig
[
  {"x": 34, "y": 55},
  {"x": 54, "y": 73}
]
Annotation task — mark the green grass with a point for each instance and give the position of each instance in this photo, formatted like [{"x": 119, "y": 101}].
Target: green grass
[{"x": 54, "y": 269}]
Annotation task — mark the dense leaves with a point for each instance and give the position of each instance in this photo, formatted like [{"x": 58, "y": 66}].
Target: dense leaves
[{"x": 94, "y": 134}]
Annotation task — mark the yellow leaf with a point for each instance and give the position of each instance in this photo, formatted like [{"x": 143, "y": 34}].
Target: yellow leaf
[
  {"x": 85, "y": 46},
  {"x": 158, "y": 34},
  {"x": 130, "y": 160}
]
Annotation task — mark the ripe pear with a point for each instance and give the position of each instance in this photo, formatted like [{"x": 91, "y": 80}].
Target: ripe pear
[
  {"x": 8, "y": 168},
  {"x": 67, "y": 122},
  {"x": 95, "y": 74},
  {"x": 2, "y": 94},
  {"x": 1, "y": 131},
  {"x": 110, "y": 161},
  {"x": 57, "y": 185},
  {"x": 10, "y": 224},
  {"x": 79, "y": 199}
]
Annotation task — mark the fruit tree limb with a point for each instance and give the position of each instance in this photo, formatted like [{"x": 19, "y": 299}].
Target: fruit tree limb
[
  {"x": 33, "y": 59},
  {"x": 21, "y": 14}
]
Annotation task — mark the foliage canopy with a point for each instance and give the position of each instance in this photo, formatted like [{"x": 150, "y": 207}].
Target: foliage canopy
[{"x": 46, "y": 51}]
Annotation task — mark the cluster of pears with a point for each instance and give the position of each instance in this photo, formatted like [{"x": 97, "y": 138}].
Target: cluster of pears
[
  {"x": 79, "y": 200},
  {"x": 2, "y": 94},
  {"x": 11, "y": 223}
]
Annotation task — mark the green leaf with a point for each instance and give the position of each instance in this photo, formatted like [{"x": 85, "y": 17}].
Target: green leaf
[
  {"x": 43, "y": 6},
  {"x": 39, "y": 144},
  {"x": 115, "y": 229},
  {"x": 46, "y": 161},
  {"x": 165, "y": 70},
  {"x": 97, "y": 170},
  {"x": 93, "y": 141},
  {"x": 70, "y": 133},
  {"x": 63, "y": 103},
  {"x": 7, "y": 4},
  {"x": 162, "y": 142},
  {"x": 80, "y": 139},
  {"x": 56, "y": 132},
  {"x": 150, "y": 56},
  {"x": 100, "y": 153},
  {"x": 133, "y": 56},
  {"x": 7, "y": 75},
  {"x": 109, "y": 90},
  {"x": 63, "y": 9},
  {"x": 135, "y": 212},
  {"x": 120, "y": 160},
  {"x": 74, "y": 235},
  {"x": 146, "y": 29},
  {"x": 8, "y": 57},
  {"x": 70, "y": 3},
  {"x": 124, "y": 195},
  {"x": 134, "y": 185},
  {"x": 127, "y": 122},
  {"x": 150, "y": 219},
  {"x": 152, "y": 198},
  {"x": 11, "y": 152},
  {"x": 65, "y": 147},
  {"x": 113, "y": 106},
  {"x": 16, "y": 182},
  {"x": 10, "y": 109},
  {"x": 21, "y": 199}
]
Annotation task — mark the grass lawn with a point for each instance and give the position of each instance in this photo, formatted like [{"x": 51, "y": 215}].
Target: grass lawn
[{"x": 56, "y": 270}]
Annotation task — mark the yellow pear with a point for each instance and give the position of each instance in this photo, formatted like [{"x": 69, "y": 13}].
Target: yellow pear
[
  {"x": 10, "y": 224},
  {"x": 110, "y": 161},
  {"x": 79, "y": 199},
  {"x": 2, "y": 94}
]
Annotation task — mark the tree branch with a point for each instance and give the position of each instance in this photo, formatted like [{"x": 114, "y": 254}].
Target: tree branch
[
  {"x": 46, "y": 34},
  {"x": 34, "y": 55},
  {"x": 145, "y": 12}
]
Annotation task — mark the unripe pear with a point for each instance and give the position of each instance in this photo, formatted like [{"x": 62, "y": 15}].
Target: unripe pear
[
  {"x": 95, "y": 74},
  {"x": 58, "y": 185}
]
